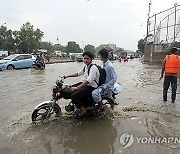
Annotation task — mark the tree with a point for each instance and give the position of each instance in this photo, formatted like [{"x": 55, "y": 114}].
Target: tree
[
  {"x": 100, "y": 47},
  {"x": 90, "y": 48},
  {"x": 58, "y": 47},
  {"x": 6, "y": 39},
  {"x": 72, "y": 47},
  {"x": 28, "y": 39},
  {"x": 118, "y": 49},
  {"x": 141, "y": 45},
  {"x": 47, "y": 46}
]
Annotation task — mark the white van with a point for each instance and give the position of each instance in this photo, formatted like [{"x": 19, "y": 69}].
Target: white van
[{"x": 3, "y": 53}]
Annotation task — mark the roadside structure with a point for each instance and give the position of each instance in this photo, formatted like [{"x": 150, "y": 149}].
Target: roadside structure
[{"x": 163, "y": 32}]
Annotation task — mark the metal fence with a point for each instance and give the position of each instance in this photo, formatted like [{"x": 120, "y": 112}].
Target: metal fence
[{"x": 164, "y": 27}]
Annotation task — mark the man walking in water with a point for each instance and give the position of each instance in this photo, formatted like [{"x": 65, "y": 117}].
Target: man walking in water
[{"x": 171, "y": 67}]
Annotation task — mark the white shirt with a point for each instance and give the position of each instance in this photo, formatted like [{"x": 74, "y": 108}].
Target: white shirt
[{"x": 93, "y": 76}]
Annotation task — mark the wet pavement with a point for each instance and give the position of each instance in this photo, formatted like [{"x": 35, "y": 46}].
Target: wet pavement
[{"x": 141, "y": 123}]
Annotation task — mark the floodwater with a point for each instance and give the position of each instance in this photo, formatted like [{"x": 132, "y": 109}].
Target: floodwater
[{"x": 141, "y": 123}]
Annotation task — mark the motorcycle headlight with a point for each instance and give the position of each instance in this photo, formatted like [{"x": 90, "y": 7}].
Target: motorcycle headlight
[
  {"x": 59, "y": 84},
  {"x": 58, "y": 94}
]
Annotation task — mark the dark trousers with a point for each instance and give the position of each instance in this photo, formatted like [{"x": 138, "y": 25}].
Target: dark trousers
[
  {"x": 80, "y": 95},
  {"x": 167, "y": 81},
  {"x": 67, "y": 92}
]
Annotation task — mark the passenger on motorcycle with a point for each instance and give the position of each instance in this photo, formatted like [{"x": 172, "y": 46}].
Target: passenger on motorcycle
[
  {"x": 111, "y": 78},
  {"x": 84, "y": 89},
  {"x": 40, "y": 59}
]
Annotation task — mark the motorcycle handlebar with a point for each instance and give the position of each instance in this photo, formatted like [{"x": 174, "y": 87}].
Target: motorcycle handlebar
[{"x": 62, "y": 77}]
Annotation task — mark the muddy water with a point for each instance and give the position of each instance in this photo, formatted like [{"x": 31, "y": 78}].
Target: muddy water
[{"x": 141, "y": 112}]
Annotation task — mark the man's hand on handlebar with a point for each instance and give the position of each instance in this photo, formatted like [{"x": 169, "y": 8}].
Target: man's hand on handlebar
[{"x": 65, "y": 77}]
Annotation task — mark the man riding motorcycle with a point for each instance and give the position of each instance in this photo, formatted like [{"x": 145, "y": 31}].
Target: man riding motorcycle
[
  {"x": 84, "y": 89},
  {"x": 40, "y": 60},
  {"x": 80, "y": 94}
]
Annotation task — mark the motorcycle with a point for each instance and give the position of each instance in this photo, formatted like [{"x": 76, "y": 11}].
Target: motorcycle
[
  {"x": 45, "y": 109},
  {"x": 37, "y": 65}
]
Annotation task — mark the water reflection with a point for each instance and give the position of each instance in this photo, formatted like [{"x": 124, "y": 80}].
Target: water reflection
[
  {"x": 22, "y": 90},
  {"x": 87, "y": 136},
  {"x": 95, "y": 136}
]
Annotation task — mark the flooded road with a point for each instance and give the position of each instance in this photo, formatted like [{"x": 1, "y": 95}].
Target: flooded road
[{"x": 141, "y": 123}]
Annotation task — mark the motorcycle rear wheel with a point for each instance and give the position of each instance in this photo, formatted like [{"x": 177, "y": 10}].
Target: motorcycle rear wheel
[
  {"x": 106, "y": 101},
  {"x": 40, "y": 114}
]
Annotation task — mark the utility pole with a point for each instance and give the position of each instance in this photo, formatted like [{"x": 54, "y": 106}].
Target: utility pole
[
  {"x": 175, "y": 5},
  {"x": 148, "y": 22},
  {"x": 83, "y": 45},
  {"x": 148, "y": 27}
]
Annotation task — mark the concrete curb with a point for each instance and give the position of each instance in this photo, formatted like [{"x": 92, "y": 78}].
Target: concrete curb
[{"x": 59, "y": 61}]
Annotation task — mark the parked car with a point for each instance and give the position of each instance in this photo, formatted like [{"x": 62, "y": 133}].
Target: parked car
[
  {"x": 112, "y": 56},
  {"x": 79, "y": 57},
  {"x": 17, "y": 61},
  {"x": 3, "y": 53},
  {"x": 130, "y": 56},
  {"x": 115, "y": 57}
]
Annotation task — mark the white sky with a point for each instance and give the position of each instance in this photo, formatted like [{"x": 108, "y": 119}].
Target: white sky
[{"x": 122, "y": 22}]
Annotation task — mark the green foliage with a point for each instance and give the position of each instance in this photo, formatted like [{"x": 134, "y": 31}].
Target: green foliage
[
  {"x": 47, "y": 46},
  {"x": 169, "y": 47},
  {"x": 47, "y": 57},
  {"x": 139, "y": 52},
  {"x": 141, "y": 45},
  {"x": 28, "y": 39},
  {"x": 119, "y": 49},
  {"x": 72, "y": 47},
  {"x": 7, "y": 41},
  {"x": 58, "y": 47},
  {"x": 100, "y": 47},
  {"x": 90, "y": 48}
]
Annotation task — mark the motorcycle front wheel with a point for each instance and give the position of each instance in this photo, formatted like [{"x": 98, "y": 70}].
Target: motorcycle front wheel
[
  {"x": 34, "y": 67},
  {"x": 42, "y": 112}
]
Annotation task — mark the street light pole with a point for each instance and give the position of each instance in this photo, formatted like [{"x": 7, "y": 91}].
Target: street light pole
[
  {"x": 148, "y": 22},
  {"x": 148, "y": 28},
  {"x": 175, "y": 5},
  {"x": 58, "y": 39},
  {"x": 83, "y": 45}
]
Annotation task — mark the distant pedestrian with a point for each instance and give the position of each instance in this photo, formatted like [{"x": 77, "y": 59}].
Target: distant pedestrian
[
  {"x": 171, "y": 67},
  {"x": 125, "y": 59},
  {"x": 119, "y": 59}
]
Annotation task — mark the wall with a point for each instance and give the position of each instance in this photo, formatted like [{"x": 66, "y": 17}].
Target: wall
[{"x": 158, "y": 52}]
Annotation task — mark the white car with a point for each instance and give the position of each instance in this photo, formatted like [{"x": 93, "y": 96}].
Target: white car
[
  {"x": 79, "y": 57},
  {"x": 130, "y": 56},
  {"x": 115, "y": 56}
]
